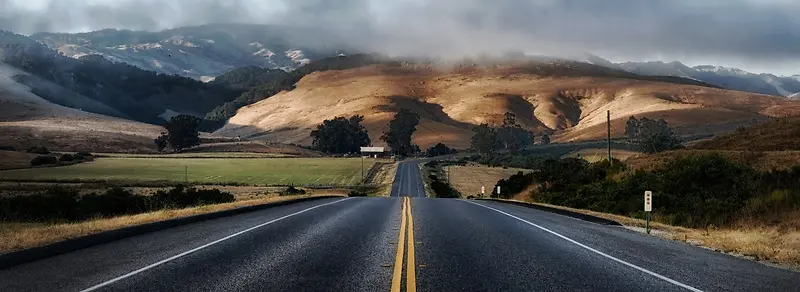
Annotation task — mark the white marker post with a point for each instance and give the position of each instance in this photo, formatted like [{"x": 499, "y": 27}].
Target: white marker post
[
  {"x": 498, "y": 191},
  {"x": 483, "y": 191},
  {"x": 648, "y": 207}
]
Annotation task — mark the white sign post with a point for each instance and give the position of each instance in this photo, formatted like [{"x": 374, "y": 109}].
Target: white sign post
[
  {"x": 483, "y": 191},
  {"x": 648, "y": 207},
  {"x": 498, "y": 191}
]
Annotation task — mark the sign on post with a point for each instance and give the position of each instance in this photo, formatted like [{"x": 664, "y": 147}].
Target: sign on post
[
  {"x": 483, "y": 190},
  {"x": 498, "y": 191},
  {"x": 648, "y": 201}
]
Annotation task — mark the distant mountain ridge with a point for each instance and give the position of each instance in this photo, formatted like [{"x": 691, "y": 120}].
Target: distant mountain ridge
[
  {"x": 730, "y": 78},
  {"x": 199, "y": 52}
]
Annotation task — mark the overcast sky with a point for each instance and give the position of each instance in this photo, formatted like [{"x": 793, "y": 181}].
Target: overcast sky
[{"x": 755, "y": 35}]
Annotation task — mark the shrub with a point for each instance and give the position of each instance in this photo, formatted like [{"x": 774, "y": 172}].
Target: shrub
[
  {"x": 291, "y": 190},
  {"x": 356, "y": 193},
  {"x": 43, "y": 160},
  {"x": 83, "y": 155},
  {"x": 66, "y": 158},
  {"x": 38, "y": 150},
  {"x": 61, "y": 204},
  {"x": 8, "y": 148},
  {"x": 443, "y": 190}
]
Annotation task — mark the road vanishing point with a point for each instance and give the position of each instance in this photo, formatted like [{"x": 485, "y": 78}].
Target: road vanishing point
[{"x": 405, "y": 242}]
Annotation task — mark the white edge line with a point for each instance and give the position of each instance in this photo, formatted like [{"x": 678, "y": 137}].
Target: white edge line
[
  {"x": 112, "y": 281},
  {"x": 654, "y": 274}
]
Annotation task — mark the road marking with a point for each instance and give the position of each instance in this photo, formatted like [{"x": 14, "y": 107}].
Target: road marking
[
  {"x": 411, "y": 271},
  {"x": 398, "y": 259},
  {"x": 128, "y": 275},
  {"x": 654, "y": 274}
]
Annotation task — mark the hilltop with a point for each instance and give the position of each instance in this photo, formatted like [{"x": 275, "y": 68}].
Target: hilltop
[
  {"x": 778, "y": 135},
  {"x": 568, "y": 99}
]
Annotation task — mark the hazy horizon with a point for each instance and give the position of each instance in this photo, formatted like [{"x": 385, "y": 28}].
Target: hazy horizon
[{"x": 759, "y": 36}]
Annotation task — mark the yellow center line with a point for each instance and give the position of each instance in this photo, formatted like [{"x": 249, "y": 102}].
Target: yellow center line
[
  {"x": 411, "y": 268},
  {"x": 398, "y": 261}
]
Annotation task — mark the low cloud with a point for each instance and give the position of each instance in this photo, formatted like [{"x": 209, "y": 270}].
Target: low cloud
[{"x": 760, "y": 35}]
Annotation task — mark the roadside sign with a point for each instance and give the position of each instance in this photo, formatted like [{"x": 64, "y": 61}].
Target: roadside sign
[
  {"x": 483, "y": 190},
  {"x": 498, "y": 190},
  {"x": 648, "y": 201}
]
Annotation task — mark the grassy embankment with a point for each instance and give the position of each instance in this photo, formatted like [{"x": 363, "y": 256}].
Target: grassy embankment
[{"x": 17, "y": 236}]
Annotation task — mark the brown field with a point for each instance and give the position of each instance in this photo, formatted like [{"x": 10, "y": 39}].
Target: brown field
[
  {"x": 449, "y": 102},
  {"x": 597, "y": 154},
  {"x": 754, "y": 240},
  {"x": 15, "y": 159},
  {"x": 776, "y": 135},
  {"x": 17, "y": 236},
  {"x": 469, "y": 179},
  {"x": 762, "y": 160}
]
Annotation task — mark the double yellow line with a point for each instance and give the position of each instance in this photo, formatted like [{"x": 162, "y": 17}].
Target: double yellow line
[{"x": 411, "y": 269}]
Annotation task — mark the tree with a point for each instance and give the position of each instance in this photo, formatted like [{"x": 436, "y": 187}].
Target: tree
[
  {"x": 162, "y": 141},
  {"x": 438, "y": 150},
  {"x": 183, "y": 132},
  {"x": 511, "y": 135},
  {"x": 484, "y": 138},
  {"x": 651, "y": 135},
  {"x": 401, "y": 127},
  {"x": 340, "y": 135},
  {"x": 545, "y": 139}
]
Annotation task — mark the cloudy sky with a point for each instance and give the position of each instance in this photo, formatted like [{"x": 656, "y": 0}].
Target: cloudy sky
[{"x": 756, "y": 35}]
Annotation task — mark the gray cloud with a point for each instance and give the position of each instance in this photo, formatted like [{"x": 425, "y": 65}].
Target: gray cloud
[{"x": 762, "y": 34}]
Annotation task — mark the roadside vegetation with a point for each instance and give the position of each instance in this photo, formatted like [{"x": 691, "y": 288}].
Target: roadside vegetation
[
  {"x": 21, "y": 235},
  {"x": 734, "y": 200},
  {"x": 437, "y": 181}
]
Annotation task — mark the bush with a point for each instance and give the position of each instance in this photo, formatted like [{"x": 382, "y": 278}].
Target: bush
[
  {"x": 8, "y": 148},
  {"x": 291, "y": 190},
  {"x": 84, "y": 154},
  {"x": 38, "y": 150},
  {"x": 66, "y": 158},
  {"x": 61, "y": 204},
  {"x": 43, "y": 160},
  {"x": 443, "y": 190},
  {"x": 356, "y": 193}
]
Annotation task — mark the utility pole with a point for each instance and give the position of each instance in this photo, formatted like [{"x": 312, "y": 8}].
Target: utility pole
[
  {"x": 186, "y": 174},
  {"x": 362, "y": 168},
  {"x": 608, "y": 125}
]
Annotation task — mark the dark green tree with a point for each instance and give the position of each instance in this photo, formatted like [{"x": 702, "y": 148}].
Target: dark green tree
[
  {"x": 511, "y": 135},
  {"x": 545, "y": 139},
  {"x": 183, "y": 132},
  {"x": 401, "y": 127},
  {"x": 484, "y": 138},
  {"x": 651, "y": 135},
  {"x": 439, "y": 149},
  {"x": 340, "y": 135},
  {"x": 161, "y": 142}
]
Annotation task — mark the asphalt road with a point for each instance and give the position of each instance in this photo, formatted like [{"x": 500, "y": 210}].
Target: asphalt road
[{"x": 352, "y": 245}]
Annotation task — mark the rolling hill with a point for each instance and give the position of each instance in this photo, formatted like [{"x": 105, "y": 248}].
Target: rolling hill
[
  {"x": 568, "y": 99},
  {"x": 28, "y": 120}
]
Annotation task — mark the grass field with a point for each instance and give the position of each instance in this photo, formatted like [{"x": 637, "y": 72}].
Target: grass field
[
  {"x": 469, "y": 179},
  {"x": 597, "y": 154},
  {"x": 197, "y": 155},
  {"x": 261, "y": 171}
]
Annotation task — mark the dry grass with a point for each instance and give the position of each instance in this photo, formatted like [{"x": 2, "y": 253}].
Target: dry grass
[
  {"x": 384, "y": 177},
  {"x": 774, "y": 244},
  {"x": 765, "y": 161},
  {"x": 449, "y": 102},
  {"x": 777, "y": 135},
  {"x": 469, "y": 179},
  {"x": 17, "y": 236},
  {"x": 15, "y": 159},
  {"x": 597, "y": 154}
]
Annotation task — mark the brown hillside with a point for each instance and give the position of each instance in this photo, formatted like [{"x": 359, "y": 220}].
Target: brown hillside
[
  {"x": 451, "y": 101},
  {"x": 776, "y": 135},
  {"x": 28, "y": 120}
]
